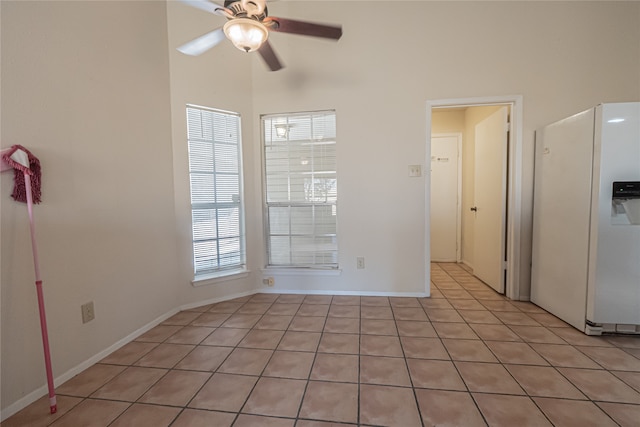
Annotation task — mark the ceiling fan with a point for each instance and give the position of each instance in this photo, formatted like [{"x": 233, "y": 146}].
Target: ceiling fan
[{"x": 248, "y": 29}]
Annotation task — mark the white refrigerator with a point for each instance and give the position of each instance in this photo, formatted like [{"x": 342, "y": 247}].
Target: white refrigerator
[{"x": 586, "y": 219}]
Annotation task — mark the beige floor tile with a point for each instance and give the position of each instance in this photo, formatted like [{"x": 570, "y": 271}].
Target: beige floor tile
[
  {"x": 199, "y": 418},
  {"x": 488, "y": 378},
  {"x": 507, "y": 411},
  {"x": 548, "y": 320},
  {"x": 388, "y": 406},
  {"x": 424, "y": 348},
  {"x": 384, "y": 371},
  {"x": 342, "y": 325},
  {"x": 404, "y": 302},
  {"x": 330, "y": 402},
  {"x": 247, "y": 361},
  {"x": 313, "y": 310},
  {"x": 536, "y": 334},
  {"x": 339, "y": 343},
  {"x": 228, "y": 307},
  {"x": 226, "y": 337},
  {"x": 211, "y": 320},
  {"x": 277, "y": 323},
  {"x": 300, "y": 341},
  {"x": 515, "y": 318},
  {"x": 317, "y": 299},
  {"x": 455, "y": 331},
  {"x": 346, "y": 300},
  {"x": 575, "y": 337},
  {"x": 165, "y": 356},
  {"x": 266, "y": 339},
  {"x": 132, "y": 383},
  {"x": 224, "y": 392},
  {"x": 264, "y": 298},
  {"x": 378, "y": 345},
  {"x": 456, "y": 294},
  {"x": 351, "y": 311},
  {"x": 623, "y": 414},
  {"x": 290, "y": 364},
  {"x": 478, "y": 316},
  {"x": 92, "y": 413},
  {"x": 417, "y": 314},
  {"x": 310, "y": 423},
  {"x": 290, "y": 299},
  {"x": 630, "y": 378},
  {"x": 625, "y": 341},
  {"x": 335, "y": 367},
  {"x": 91, "y": 379},
  {"x": 469, "y": 350},
  {"x": 572, "y": 413},
  {"x": 245, "y": 420},
  {"x": 518, "y": 353},
  {"x": 612, "y": 358},
  {"x": 601, "y": 385},
  {"x": 38, "y": 413},
  {"x": 409, "y": 328},
  {"x": 448, "y": 409},
  {"x": 129, "y": 353},
  {"x": 498, "y": 305},
  {"x": 436, "y": 374},
  {"x": 146, "y": 415},
  {"x": 254, "y": 308},
  {"x": 376, "y": 312},
  {"x": 158, "y": 334},
  {"x": 241, "y": 321},
  {"x": 375, "y": 301},
  {"x": 176, "y": 388},
  {"x": 307, "y": 324},
  {"x": 204, "y": 358},
  {"x": 444, "y": 315},
  {"x": 378, "y": 327},
  {"x": 190, "y": 335},
  {"x": 435, "y": 304},
  {"x": 283, "y": 309},
  {"x": 564, "y": 356},
  {"x": 275, "y": 397},
  {"x": 544, "y": 381},
  {"x": 182, "y": 318},
  {"x": 495, "y": 332}
]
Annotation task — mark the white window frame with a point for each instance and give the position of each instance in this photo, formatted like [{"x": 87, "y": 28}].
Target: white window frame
[
  {"x": 221, "y": 271},
  {"x": 284, "y": 121}
]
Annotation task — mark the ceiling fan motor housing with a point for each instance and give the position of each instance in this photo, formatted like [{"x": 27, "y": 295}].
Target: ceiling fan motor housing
[{"x": 239, "y": 11}]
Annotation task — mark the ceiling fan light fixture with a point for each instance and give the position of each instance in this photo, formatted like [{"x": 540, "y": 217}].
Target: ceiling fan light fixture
[{"x": 246, "y": 34}]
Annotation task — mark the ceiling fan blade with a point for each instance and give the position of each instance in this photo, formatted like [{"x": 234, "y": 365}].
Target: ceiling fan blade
[
  {"x": 303, "y": 28},
  {"x": 203, "y": 43},
  {"x": 269, "y": 56},
  {"x": 208, "y": 6}
]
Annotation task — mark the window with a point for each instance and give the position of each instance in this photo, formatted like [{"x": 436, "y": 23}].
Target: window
[
  {"x": 215, "y": 172},
  {"x": 301, "y": 189}
]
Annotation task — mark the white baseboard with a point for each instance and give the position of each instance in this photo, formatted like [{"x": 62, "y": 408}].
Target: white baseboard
[{"x": 350, "y": 293}]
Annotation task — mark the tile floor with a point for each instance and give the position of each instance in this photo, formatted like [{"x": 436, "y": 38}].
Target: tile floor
[{"x": 464, "y": 357}]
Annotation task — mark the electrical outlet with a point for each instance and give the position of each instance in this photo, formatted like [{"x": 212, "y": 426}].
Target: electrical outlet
[
  {"x": 88, "y": 314},
  {"x": 360, "y": 262},
  {"x": 268, "y": 281},
  {"x": 415, "y": 171}
]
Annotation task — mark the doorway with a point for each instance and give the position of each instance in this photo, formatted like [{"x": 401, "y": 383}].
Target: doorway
[{"x": 501, "y": 265}]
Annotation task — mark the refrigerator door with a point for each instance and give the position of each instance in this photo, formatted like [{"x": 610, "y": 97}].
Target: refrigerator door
[
  {"x": 614, "y": 268},
  {"x": 561, "y": 217}
]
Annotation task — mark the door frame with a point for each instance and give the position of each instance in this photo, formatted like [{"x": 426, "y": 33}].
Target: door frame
[
  {"x": 458, "y": 136},
  {"x": 514, "y": 179}
]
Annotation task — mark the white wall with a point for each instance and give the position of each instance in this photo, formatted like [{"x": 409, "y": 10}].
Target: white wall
[
  {"x": 85, "y": 86},
  {"x": 562, "y": 57}
]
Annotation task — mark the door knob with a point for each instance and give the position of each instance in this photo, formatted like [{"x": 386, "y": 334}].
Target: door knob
[{"x": 474, "y": 209}]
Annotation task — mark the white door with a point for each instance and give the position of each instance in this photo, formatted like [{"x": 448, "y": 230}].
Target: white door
[
  {"x": 444, "y": 198},
  {"x": 490, "y": 189}
]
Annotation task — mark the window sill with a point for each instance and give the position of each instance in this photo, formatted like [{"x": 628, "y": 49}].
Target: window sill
[
  {"x": 293, "y": 271},
  {"x": 212, "y": 279}
]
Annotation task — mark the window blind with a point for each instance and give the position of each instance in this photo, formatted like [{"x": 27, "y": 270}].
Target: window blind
[
  {"x": 215, "y": 172},
  {"x": 301, "y": 190}
]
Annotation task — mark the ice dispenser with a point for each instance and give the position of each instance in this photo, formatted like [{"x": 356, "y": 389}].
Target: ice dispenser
[{"x": 625, "y": 203}]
